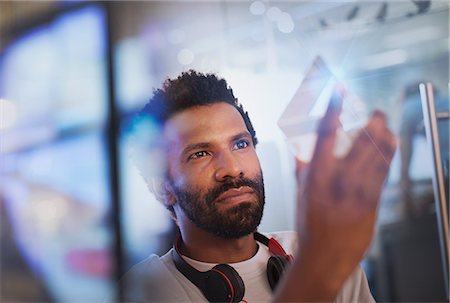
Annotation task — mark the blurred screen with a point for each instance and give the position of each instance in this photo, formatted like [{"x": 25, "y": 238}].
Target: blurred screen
[
  {"x": 55, "y": 74},
  {"x": 54, "y": 173}
]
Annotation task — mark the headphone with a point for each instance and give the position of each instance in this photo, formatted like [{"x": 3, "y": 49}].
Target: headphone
[{"x": 222, "y": 283}]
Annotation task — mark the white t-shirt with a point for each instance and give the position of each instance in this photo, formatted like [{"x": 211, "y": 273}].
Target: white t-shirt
[{"x": 156, "y": 279}]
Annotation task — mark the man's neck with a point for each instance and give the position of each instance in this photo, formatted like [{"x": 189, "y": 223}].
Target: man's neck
[{"x": 205, "y": 247}]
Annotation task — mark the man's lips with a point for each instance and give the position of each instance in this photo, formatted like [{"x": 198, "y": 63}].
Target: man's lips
[{"x": 236, "y": 194}]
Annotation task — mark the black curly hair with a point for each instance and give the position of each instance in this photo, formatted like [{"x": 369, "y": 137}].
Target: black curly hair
[{"x": 192, "y": 89}]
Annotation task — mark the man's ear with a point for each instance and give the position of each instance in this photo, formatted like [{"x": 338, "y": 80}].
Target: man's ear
[{"x": 162, "y": 191}]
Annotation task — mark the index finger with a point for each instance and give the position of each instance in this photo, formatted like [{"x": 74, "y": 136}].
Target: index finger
[{"x": 326, "y": 132}]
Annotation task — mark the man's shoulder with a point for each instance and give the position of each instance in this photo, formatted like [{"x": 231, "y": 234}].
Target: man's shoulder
[
  {"x": 356, "y": 288},
  {"x": 146, "y": 270},
  {"x": 153, "y": 266},
  {"x": 149, "y": 279}
]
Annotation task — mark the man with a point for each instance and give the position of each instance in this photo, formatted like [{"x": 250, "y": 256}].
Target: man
[{"x": 213, "y": 186}]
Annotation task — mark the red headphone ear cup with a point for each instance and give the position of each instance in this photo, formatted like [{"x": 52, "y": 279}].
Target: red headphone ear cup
[
  {"x": 275, "y": 268},
  {"x": 224, "y": 284}
]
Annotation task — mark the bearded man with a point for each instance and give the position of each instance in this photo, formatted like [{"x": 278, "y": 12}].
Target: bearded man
[{"x": 213, "y": 186}]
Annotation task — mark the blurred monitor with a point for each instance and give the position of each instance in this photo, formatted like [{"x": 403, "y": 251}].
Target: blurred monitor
[{"x": 54, "y": 171}]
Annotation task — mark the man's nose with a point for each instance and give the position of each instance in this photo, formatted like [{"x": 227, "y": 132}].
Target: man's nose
[{"x": 228, "y": 166}]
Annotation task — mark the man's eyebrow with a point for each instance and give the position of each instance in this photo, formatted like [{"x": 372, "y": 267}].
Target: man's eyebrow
[
  {"x": 195, "y": 146},
  {"x": 244, "y": 134}
]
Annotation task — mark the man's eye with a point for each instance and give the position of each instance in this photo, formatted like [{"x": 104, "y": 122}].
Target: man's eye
[
  {"x": 241, "y": 144},
  {"x": 198, "y": 154}
]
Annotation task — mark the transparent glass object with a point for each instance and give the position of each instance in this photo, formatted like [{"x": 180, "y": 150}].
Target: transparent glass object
[{"x": 300, "y": 119}]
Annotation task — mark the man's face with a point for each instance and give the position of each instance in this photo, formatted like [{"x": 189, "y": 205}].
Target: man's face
[{"x": 213, "y": 170}]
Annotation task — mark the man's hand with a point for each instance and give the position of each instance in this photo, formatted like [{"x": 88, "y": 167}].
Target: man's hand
[{"x": 337, "y": 204}]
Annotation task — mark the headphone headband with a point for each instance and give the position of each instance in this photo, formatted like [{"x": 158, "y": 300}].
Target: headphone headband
[{"x": 274, "y": 247}]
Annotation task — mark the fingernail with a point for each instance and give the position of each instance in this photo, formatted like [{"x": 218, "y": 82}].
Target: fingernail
[{"x": 379, "y": 114}]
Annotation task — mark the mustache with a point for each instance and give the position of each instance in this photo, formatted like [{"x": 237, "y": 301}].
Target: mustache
[{"x": 254, "y": 184}]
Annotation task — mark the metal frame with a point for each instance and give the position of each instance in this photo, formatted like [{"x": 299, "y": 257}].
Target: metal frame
[{"x": 430, "y": 118}]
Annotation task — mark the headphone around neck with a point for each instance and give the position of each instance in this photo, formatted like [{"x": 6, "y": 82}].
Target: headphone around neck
[{"x": 222, "y": 283}]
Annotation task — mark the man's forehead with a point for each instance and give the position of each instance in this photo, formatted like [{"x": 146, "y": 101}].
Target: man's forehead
[{"x": 207, "y": 122}]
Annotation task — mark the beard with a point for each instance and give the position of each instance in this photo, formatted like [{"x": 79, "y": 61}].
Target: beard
[{"x": 234, "y": 222}]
